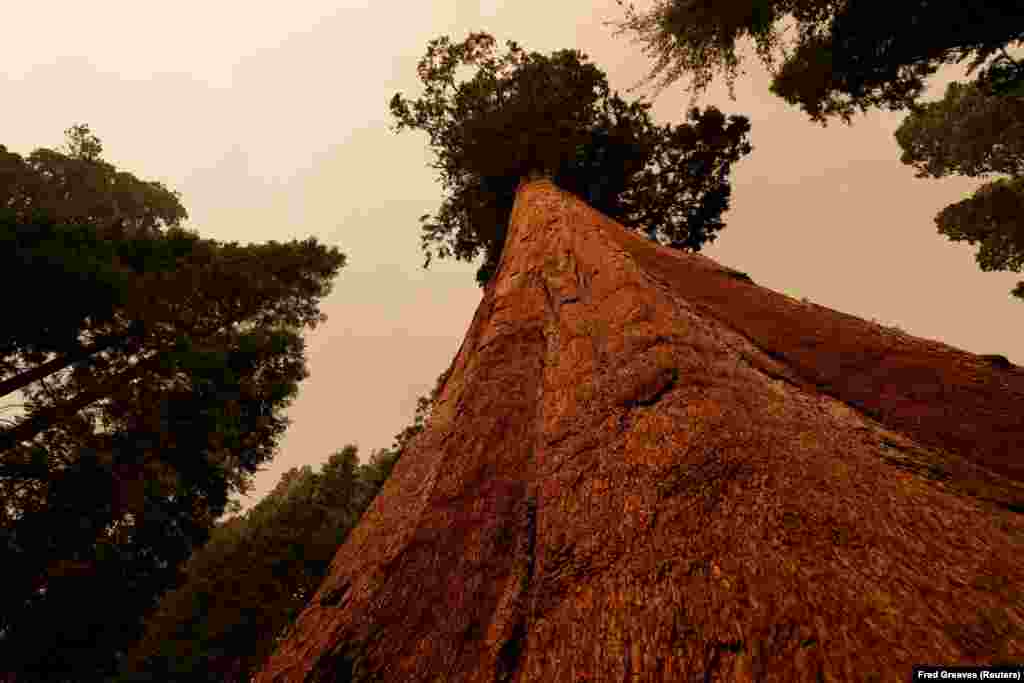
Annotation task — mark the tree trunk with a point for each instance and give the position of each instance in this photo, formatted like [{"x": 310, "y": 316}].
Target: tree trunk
[{"x": 644, "y": 467}]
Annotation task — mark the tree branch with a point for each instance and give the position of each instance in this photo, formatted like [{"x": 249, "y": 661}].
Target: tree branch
[
  {"x": 23, "y": 379},
  {"x": 44, "y": 418}
]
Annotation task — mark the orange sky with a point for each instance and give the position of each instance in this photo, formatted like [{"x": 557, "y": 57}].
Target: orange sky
[{"x": 271, "y": 119}]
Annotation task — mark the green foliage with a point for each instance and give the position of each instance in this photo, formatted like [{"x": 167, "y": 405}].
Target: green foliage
[
  {"x": 79, "y": 187},
  {"x": 845, "y": 56},
  {"x": 859, "y": 55},
  {"x": 993, "y": 217},
  {"x": 526, "y": 114},
  {"x": 81, "y": 271},
  {"x": 245, "y": 587},
  {"x": 84, "y": 228},
  {"x": 238, "y": 596},
  {"x": 82, "y": 144},
  {"x": 158, "y": 390},
  {"x": 968, "y": 132},
  {"x": 972, "y": 132}
]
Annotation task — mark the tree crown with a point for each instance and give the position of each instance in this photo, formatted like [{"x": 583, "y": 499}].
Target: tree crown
[
  {"x": 525, "y": 114},
  {"x": 844, "y": 57}
]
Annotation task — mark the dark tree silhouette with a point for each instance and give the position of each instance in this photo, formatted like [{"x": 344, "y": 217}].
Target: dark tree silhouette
[
  {"x": 245, "y": 587},
  {"x": 526, "y": 115},
  {"x": 155, "y": 396},
  {"x": 861, "y": 55},
  {"x": 974, "y": 133},
  {"x": 845, "y": 56}
]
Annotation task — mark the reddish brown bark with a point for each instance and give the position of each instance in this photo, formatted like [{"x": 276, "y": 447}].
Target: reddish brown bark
[{"x": 644, "y": 467}]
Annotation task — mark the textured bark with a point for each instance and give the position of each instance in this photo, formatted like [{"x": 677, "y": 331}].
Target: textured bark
[{"x": 644, "y": 467}]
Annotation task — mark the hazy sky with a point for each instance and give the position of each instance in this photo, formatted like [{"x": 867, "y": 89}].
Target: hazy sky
[{"x": 271, "y": 119}]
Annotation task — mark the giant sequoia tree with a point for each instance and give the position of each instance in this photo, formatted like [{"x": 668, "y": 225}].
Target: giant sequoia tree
[
  {"x": 529, "y": 114},
  {"x": 156, "y": 390},
  {"x": 846, "y": 56},
  {"x": 642, "y": 467}
]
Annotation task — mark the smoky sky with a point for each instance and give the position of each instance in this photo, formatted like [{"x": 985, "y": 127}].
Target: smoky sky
[{"x": 271, "y": 120}]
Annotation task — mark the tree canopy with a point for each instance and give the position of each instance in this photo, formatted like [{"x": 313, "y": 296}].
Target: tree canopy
[
  {"x": 853, "y": 56},
  {"x": 845, "y": 56},
  {"x": 973, "y": 133},
  {"x": 248, "y": 583},
  {"x": 968, "y": 132},
  {"x": 75, "y": 222},
  {"x": 527, "y": 114},
  {"x": 158, "y": 390},
  {"x": 244, "y": 588}
]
